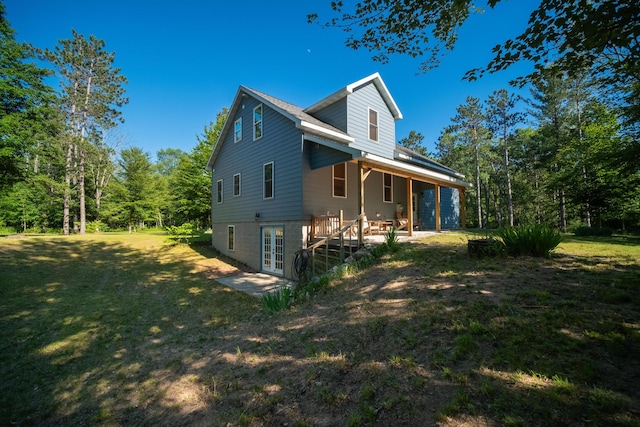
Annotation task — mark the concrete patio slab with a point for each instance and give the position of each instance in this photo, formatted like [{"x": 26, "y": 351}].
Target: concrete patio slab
[{"x": 255, "y": 284}]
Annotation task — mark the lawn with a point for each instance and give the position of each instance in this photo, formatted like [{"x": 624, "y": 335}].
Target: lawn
[{"x": 126, "y": 329}]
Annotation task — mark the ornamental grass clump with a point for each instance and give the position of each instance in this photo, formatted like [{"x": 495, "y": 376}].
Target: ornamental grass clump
[
  {"x": 533, "y": 240},
  {"x": 277, "y": 300}
]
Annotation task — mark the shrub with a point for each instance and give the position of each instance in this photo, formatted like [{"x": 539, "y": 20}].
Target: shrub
[
  {"x": 593, "y": 231},
  {"x": 96, "y": 227},
  {"x": 533, "y": 240},
  {"x": 391, "y": 239},
  {"x": 277, "y": 300},
  {"x": 182, "y": 233}
]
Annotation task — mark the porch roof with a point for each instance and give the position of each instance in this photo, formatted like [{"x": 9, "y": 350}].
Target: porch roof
[{"x": 426, "y": 170}]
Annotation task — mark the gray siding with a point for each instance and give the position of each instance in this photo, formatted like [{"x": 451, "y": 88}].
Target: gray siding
[
  {"x": 334, "y": 114},
  {"x": 280, "y": 144},
  {"x": 449, "y": 208},
  {"x": 359, "y": 103}
]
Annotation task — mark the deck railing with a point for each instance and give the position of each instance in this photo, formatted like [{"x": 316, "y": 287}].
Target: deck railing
[{"x": 331, "y": 229}]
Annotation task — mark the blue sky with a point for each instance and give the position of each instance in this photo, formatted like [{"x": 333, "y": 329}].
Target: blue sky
[{"x": 185, "y": 60}]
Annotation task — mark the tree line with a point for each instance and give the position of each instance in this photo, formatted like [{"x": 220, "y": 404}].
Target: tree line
[
  {"x": 560, "y": 157},
  {"x": 566, "y": 155},
  {"x": 64, "y": 165}
]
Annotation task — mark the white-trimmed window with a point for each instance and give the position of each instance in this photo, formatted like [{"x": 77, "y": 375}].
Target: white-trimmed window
[
  {"x": 236, "y": 185},
  {"x": 219, "y": 188},
  {"x": 267, "y": 173},
  {"x": 339, "y": 180},
  {"x": 257, "y": 122},
  {"x": 231, "y": 237},
  {"x": 373, "y": 125},
  {"x": 387, "y": 188},
  {"x": 237, "y": 130}
]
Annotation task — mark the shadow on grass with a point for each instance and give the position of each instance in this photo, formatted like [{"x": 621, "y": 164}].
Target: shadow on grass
[{"x": 103, "y": 332}]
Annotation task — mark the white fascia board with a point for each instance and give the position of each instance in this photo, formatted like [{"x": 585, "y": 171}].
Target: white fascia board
[
  {"x": 318, "y": 129},
  {"x": 414, "y": 170}
]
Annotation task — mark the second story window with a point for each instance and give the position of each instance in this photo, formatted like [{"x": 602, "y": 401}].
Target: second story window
[
  {"x": 387, "y": 188},
  {"x": 257, "y": 122},
  {"x": 219, "y": 191},
  {"x": 340, "y": 180},
  {"x": 373, "y": 125},
  {"x": 237, "y": 130}
]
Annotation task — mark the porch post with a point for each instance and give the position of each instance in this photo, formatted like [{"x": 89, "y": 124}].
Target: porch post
[
  {"x": 360, "y": 203},
  {"x": 437, "y": 207},
  {"x": 463, "y": 208},
  {"x": 410, "y": 205}
]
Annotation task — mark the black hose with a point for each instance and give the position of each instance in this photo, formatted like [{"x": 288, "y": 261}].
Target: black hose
[{"x": 300, "y": 261}]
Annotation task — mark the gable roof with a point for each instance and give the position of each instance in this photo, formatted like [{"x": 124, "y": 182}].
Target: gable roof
[
  {"x": 302, "y": 120},
  {"x": 347, "y": 90}
]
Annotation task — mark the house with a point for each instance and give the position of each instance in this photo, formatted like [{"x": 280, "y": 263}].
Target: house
[{"x": 276, "y": 167}]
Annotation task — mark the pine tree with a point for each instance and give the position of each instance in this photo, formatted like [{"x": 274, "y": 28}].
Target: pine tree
[{"x": 92, "y": 93}]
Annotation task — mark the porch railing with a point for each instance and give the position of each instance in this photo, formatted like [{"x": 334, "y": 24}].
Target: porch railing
[{"x": 332, "y": 230}]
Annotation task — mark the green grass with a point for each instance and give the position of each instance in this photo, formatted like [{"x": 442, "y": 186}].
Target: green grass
[
  {"x": 93, "y": 326},
  {"x": 118, "y": 329}
]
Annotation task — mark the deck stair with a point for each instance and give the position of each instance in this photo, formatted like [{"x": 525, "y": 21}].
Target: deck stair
[{"x": 332, "y": 240}]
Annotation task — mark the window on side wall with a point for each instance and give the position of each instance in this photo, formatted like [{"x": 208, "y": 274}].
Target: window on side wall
[
  {"x": 340, "y": 180},
  {"x": 268, "y": 181},
  {"x": 387, "y": 188},
  {"x": 373, "y": 125},
  {"x": 219, "y": 191},
  {"x": 236, "y": 185},
  {"x": 257, "y": 122},
  {"x": 237, "y": 130},
  {"x": 231, "y": 237}
]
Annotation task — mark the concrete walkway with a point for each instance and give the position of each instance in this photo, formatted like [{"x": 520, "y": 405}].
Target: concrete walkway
[{"x": 255, "y": 284}]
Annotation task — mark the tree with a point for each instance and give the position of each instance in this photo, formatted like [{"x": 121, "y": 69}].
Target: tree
[
  {"x": 469, "y": 128},
  {"x": 574, "y": 35},
  {"x": 501, "y": 119},
  {"x": 191, "y": 185},
  {"x": 414, "y": 142},
  {"x": 25, "y": 100},
  {"x": 135, "y": 174},
  {"x": 92, "y": 93}
]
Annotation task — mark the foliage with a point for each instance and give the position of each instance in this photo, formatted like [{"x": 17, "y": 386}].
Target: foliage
[
  {"x": 183, "y": 232},
  {"x": 277, "y": 300},
  {"x": 531, "y": 240},
  {"x": 574, "y": 35},
  {"x": 593, "y": 231},
  {"x": 92, "y": 93},
  {"x": 25, "y": 105},
  {"x": 391, "y": 239},
  {"x": 191, "y": 182},
  {"x": 414, "y": 141}
]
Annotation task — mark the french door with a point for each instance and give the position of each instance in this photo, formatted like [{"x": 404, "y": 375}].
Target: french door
[{"x": 273, "y": 250}]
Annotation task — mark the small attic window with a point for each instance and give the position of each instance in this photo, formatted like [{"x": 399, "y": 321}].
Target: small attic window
[{"x": 373, "y": 125}]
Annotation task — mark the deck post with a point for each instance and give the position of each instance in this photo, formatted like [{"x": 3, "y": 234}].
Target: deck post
[
  {"x": 437, "y": 207},
  {"x": 361, "y": 178},
  {"x": 410, "y": 205}
]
